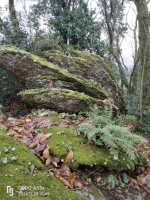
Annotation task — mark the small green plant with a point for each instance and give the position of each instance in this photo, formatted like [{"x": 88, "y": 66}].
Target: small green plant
[
  {"x": 68, "y": 146},
  {"x": 2, "y": 127},
  {"x": 112, "y": 179},
  {"x": 104, "y": 132},
  {"x": 38, "y": 112},
  {"x": 60, "y": 132},
  {"x": 7, "y": 150},
  {"x": 4, "y": 160},
  {"x": 125, "y": 177}
]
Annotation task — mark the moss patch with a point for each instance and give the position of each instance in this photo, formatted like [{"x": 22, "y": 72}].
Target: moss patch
[
  {"x": 65, "y": 138},
  {"x": 15, "y": 173}
]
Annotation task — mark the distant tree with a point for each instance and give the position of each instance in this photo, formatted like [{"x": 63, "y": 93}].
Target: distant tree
[
  {"x": 15, "y": 23},
  {"x": 114, "y": 28},
  {"x": 73, "y": 20}
]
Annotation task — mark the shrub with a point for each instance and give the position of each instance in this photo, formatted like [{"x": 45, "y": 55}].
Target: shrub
[{"x": 8, "y": 89}]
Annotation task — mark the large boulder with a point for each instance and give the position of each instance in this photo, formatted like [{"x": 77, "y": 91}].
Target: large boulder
[
  {"x": 91, "y": 67},
  {"x": 31, "y": 72}
]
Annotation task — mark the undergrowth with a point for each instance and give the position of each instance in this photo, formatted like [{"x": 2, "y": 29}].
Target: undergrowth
[{"x": 108, "y": 132}]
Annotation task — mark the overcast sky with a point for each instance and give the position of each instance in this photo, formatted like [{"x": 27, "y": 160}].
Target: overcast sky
[{"x": 128, "y": 42}]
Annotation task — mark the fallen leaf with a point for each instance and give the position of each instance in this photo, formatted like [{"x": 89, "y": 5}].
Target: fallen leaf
[
  {"x": 44, "y": 114},
  {"x": 68, "y": 158},
  {"x": 33, "y": 144},
  {"x": 63, "y": 180},
  {"x": 77, "y": 183},
  {"x": 44, "y": 138},
  {"x": 141, "y": 180},
  {"x": 64, "y": 171},
  {"x": 12, "y": 132},
  {"x": 40, "y": 148},
  {"x": 71, "y": 177},
  {"x": 38, "y": 136},
  {"x": 48, "y": 161},
  {"x": 55, "y": 161},
  {"x": 61, "y": 124},
  {"x": 46, "y": 153},
  {"x": 18, "y": 136}
]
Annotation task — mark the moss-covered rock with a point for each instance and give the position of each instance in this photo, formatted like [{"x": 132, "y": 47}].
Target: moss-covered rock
[
  {"x": 61, "y": 100},
  {"x": 31, "y": 71},
  {"x": 65, "y": 138},
  {"x": 91, "y": 67},
  {"x": 15, "y": 173},
  {"x": 22, "y": 65}
]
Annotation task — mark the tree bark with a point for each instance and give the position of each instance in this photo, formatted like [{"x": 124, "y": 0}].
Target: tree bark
[
  {"x": 144, "y": 56},
  {"x": 15, "y": 23}
]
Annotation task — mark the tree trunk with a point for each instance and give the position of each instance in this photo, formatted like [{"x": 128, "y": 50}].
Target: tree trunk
[
  {"x": 144, "y": 55},
  {"x": 15, "y": 23}
]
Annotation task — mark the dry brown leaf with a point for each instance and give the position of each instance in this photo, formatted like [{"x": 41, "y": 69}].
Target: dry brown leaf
[
  {"x": 71, "y": 177},
  {"x": 12, "y": 132},
  {"x": 61, "y": 124},
  {"x": 28, "y": 135},
  {"x": 141, "y": 180},
  {"x": 44, "y": 138},
  {"x": 63, "y": 180},
  {"x": 48, "y": 161},
  {"x": 68, "y": 121},
  {"x": 68, "y": 158},
  {"x": 64, "y": 171},
  {"x": 46, "y": 153},
  {"x": 26, "y": 141},
  {"x": 126, "y": 191},
  {"x": 55, "y": 161},
  {"x": 28, "y": 120},
  {"x": 77, "y": 183},
  {"x": 33, "y": 144},
  {"x": 18, "y": 136},
  {"x": 44, "y": 114},
  {"x": 63, "y": 115},
  {"x": 29, "y": 125},
  {"x": 137, "y": 187},
  {"x": 42, "y": 158},
  {"x": 40, "y": 148},
  {"x": 38, "y": 136},
  {"x": 80, "y": 119}
]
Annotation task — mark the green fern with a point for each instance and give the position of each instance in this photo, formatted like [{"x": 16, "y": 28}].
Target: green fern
[{"x": 104, "y": 132}]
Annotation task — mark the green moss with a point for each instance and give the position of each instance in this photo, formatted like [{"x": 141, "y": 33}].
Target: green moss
[
  {"x": 13, "y": 49},
  {"x": 96, "y": 193},
  {"x": 16, "y": 173},
  {"x": 83, "y": 154}
]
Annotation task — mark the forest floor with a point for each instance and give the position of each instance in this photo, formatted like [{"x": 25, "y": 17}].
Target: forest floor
[{"x": 122, "y": 186}]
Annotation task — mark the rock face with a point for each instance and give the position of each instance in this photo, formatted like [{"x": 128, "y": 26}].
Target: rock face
[
  {"x": 83, "y": 74},
  {"x": 88, "y": 66},
  {"x": 61, "y": 100}
]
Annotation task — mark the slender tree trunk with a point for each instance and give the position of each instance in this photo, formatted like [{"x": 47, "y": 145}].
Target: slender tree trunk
[{"x": 15, "y": 23}]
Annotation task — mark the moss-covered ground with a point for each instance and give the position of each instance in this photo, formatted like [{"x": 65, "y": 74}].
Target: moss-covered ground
[
  {"x": 64, "y": 139},
  {"x": 16, "y": 173}
]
